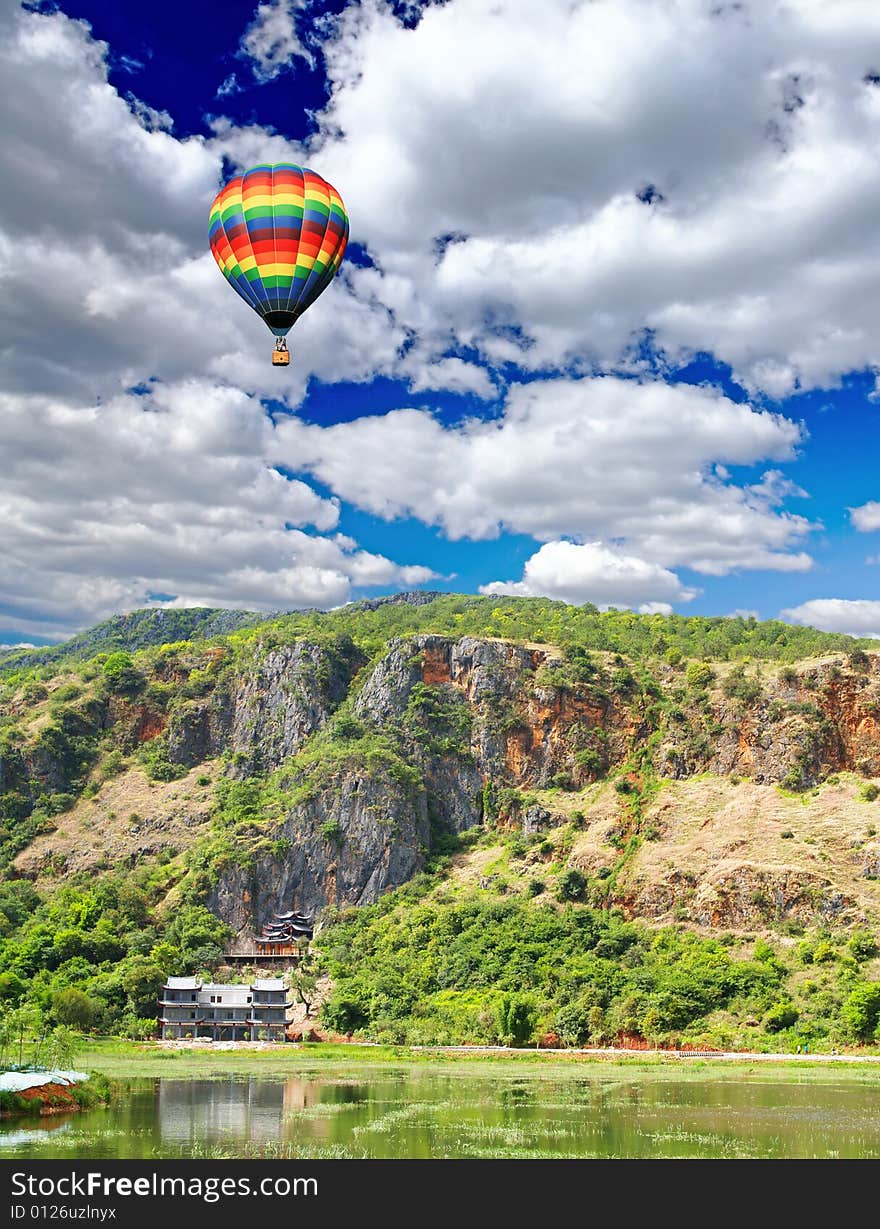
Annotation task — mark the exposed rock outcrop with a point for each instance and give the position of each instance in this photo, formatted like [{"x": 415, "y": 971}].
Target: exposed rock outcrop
[{"x": 375, "y": 763}]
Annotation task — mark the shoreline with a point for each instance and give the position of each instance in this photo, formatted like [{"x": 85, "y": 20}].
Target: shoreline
[{"x": 131, "y": 1059}]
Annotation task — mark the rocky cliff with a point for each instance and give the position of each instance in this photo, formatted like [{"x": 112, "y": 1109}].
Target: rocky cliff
[{"x": 339, "y": 767}]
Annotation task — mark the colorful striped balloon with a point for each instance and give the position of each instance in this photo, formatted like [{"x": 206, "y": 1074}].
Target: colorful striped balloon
[{"x": 278, "y": 233}]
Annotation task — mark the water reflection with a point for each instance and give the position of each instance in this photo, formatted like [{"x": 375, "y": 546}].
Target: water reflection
[
  {"x": 208, "y": 1110},
  {"x": 390, "y": 1111}
]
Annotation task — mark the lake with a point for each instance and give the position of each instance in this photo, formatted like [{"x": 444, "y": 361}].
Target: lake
[{"x": 600, "y": 1110}]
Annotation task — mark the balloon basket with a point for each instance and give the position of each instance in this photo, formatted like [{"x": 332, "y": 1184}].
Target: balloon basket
[{"x": 280, "y": 358}]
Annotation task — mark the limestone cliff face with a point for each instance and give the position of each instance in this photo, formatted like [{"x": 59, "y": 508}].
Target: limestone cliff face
[
  {"x": 525, "y": 731},
  {"x": 797, "y": 730},
  {"x": 344, "y": 846},
  {"x": 376, "y": 761},
  {"x": 265, "y": 716}
]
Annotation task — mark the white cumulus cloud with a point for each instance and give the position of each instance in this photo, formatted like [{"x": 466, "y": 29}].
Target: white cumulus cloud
[
  {"x": 860, "y": 617},
  {"x": 168, "y": 492},
  {"x": 271, "y": 41},
  {"x": 591, "y": 572},
  {"x": 867, "y": 517},
  {"x": 704, "y": 171},
  {"x": 603, "y": 459}
]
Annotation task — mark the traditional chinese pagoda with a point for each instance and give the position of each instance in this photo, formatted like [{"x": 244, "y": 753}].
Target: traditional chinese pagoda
[{"x": 284, "y": 934}]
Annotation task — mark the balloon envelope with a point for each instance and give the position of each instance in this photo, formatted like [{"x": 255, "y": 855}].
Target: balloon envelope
[{"x": 278, "y": 233}]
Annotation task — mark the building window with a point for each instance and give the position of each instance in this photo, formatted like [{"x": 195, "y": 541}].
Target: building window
[{"x": 192, "y": 1015}]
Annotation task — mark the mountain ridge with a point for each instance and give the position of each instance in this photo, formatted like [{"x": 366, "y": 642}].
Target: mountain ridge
[{"x": 715, "y": 775}]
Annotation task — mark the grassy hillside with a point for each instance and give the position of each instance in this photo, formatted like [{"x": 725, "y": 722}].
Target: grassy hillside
[
  {"x": 445, "y": 961},
  {"x": 138, "y": 630}
]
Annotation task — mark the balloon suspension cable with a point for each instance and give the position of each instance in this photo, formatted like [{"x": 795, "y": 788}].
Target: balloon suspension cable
[{"x": 280, "y": 343}]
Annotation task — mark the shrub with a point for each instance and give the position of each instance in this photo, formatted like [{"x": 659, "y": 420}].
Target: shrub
[
  {"x": 781, "y": 1015},
  {"x": 344, "y": 1015},
  {"x": 121, "y": 675},
  {"x": 824, "y": 953},
  {"x": 157, "y": 761},
  {"x": 699, "y": 674},
  {"x": 739, "y": 686},
  {"x": 590, "y": 760},
  {"x": 347, "y": 728},
  {"x": 862, "y": 945},
  {"x": 331, "y": 830},
  {"x": 571, "y": 885},
  {"x": 113, "y": 764},
  {"x": 869, "y": 791},
  {"x": 861, "y": 1011}
]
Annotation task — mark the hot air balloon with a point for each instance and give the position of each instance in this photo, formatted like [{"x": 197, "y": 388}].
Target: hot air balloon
[{"x": 278, "y": 233}]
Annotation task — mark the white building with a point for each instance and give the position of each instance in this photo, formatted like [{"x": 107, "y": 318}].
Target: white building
[{"x": 225, "y": 1012}]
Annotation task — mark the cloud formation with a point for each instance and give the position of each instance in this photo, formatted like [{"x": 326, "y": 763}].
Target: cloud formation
[
  {"x": 593, "y": 573},
  {"x": 167, "y": 492},
  {"x": 867, "y": 517},
  {"x": 702, "y": 171},
  {"x": 271, "y": 41},
  {"x": 107, "y": 280},
  {"x": 837, "y": 614},
  {"x": 602, "y": 459},
  {"x": 701, "y": 174}
]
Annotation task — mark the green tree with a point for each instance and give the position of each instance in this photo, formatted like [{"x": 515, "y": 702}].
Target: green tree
[
  {"x": 142, "y": 980},
  {"x": 781, "y": 1015},
  {"x": 344, "y": 1015},
  {"x": 199, "y": 934},
  {"x": 571, "y": 885},
  {"x": 12, "y": 988},
  {"x": 167, "y": 956},
  {"x": 62, "y": 1047},
  {"x": 861, "y": 1011},
  {"x": 74, "y": 1007},
  {"x": 133, "y": 904},
  {"x": 516, "y": 1020},
  {"x": 26, "y": 1026},
  {"x": 304, "y": 979},
  {"x": 121, "y": 675}
]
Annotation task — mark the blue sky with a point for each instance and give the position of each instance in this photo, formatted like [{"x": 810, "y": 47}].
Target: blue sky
[{"x": 607, "y": 332}]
